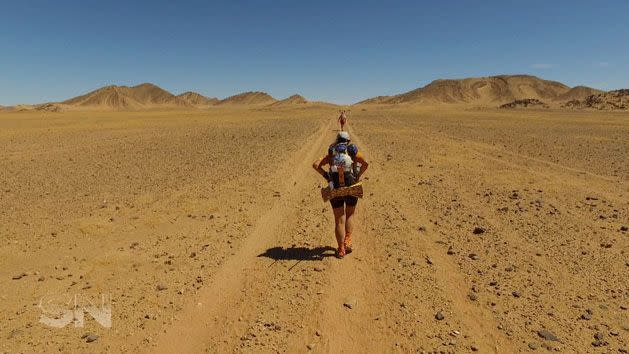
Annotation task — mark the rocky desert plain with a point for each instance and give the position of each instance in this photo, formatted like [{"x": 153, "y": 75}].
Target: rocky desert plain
[{"x": 495, "y": 220}]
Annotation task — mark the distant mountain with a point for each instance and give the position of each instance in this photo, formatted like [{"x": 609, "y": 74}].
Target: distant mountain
[
  {"x": 290, "y": 101},
  {"x": 142, "y": 96},
  {"x": 248, "y": 98},
  {"x": 493, "y": 90},
  {"x": 577, "y": 93},
  {"x": 196, "y": 99}
]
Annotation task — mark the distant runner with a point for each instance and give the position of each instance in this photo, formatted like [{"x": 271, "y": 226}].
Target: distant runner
[
  {"x": 342, "y": 120},
  {"x": 347, "y": 165}
]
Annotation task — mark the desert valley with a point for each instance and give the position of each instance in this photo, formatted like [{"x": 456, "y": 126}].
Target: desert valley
[{"x": 495, "y": 220}]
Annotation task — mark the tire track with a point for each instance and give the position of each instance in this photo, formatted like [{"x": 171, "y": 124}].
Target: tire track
[
  {"x": 212, "y": 313},
  {"x": 443, "y": 277}
]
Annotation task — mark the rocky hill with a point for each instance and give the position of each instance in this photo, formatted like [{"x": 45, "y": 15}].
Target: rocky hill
[{"x": 491, "y": 91}]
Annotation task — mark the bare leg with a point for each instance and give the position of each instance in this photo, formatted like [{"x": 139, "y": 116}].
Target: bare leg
[
  {"x": 339, "y": 225},
  {"x": 349, "y": 227},
  {"x": 349, "y": 219}
]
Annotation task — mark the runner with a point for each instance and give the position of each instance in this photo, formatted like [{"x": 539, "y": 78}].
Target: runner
[
  {"x": 342, "y": 120},
  {"x": 343, "y": 159}
]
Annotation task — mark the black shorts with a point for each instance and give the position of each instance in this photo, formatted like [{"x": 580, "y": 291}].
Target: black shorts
[{"x": 339, "y": 202}]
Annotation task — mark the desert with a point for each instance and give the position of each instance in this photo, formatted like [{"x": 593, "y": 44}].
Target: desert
[{"x": 482, "y": 229}]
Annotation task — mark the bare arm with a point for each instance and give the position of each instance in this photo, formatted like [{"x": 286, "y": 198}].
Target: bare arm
[
  {"x": 364, "y": 165},
  {"x": 318, "y": 165}
]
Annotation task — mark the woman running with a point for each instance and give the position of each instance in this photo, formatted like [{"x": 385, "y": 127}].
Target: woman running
[{"x": 342, "y": 157}]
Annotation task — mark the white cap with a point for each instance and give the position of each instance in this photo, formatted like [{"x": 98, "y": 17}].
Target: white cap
[{"x": 342, "y": 136}]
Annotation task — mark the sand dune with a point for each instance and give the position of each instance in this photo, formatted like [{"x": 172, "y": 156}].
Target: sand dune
[
  {"x": 493, "y": 90},
  {"x": 248, "y": 98}
]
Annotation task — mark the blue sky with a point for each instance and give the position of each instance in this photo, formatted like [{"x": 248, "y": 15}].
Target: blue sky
[{"x": 337, "y": 51}]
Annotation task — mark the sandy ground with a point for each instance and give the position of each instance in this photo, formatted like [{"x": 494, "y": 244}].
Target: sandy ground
[{"x": 481, "y": 230}]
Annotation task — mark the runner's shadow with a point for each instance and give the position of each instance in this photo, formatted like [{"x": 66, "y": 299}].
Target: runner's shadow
[{"x": 298, "y": 253}]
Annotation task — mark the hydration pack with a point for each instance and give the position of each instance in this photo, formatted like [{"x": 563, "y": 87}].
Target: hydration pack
[{"x": 342, "y": 164}]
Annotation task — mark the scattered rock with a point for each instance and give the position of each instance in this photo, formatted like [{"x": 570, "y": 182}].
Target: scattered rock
[
  {"x": 598, "y": 343},
  {"x": 19, "y": 276},
  {"x": 439, "y": 316},
  {"x": 90, "y": 337},
  {"x": 478, "y": 230},
  {"x": 525, "y": 103},
  {"x": 548, "y": 335},
  {"x": 350, "y": 303}
]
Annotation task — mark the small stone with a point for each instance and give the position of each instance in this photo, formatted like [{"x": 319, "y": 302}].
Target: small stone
[
  {"x": 310, "y": 346},
  {"x": 474, "y": 348},
  {"x": 598, "y": 343},
  {"x": 90, "y": 337},
  {"x": 318, "y": 333},
  {"x": 533, "y": 345},
  {"x": 516, "y": 294},
  {"x": 586, "y": 316},
  {"x": 599, "y": 335},
  {"x": 474, "y": 256},
  {"x": 19, "y": 276},
  {"x": 548, "y": 335},
  {"x": 450, "y": 250},
  {"x": 624, "y": 228},
  {"x": 472, "y": 296},
  {"x": 439, "y": 316},
  {"x": 429, "y": 260},
  {"x": 350, "y": 303},
  {"x": 478, "y": 230},
  {"x": 161, "y": 287}
]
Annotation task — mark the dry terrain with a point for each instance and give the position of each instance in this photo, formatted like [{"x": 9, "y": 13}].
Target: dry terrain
[{"x": 481, "y": 230}]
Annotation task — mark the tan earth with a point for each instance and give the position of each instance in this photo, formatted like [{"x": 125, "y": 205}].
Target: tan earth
[{"x": 481, "y": 230}]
